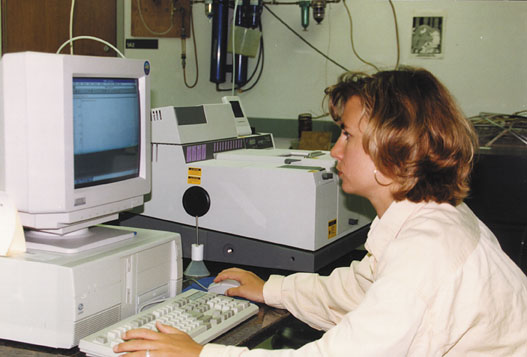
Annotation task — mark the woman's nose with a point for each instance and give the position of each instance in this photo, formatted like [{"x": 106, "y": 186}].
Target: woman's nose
[{"x": 336, "y": 151}]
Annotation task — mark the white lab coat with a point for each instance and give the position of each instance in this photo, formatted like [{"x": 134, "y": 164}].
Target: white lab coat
[{"x": 435, "y": 282}]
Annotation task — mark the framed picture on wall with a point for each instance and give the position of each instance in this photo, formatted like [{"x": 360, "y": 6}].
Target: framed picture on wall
[{"x": 428, "y": 36}]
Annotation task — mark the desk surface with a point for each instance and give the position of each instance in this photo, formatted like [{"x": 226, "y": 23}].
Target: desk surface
[{"x": 249, "y": 333}]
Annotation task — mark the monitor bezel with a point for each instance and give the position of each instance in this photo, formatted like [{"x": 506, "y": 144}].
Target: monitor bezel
[{"x": 37, "y": 104}]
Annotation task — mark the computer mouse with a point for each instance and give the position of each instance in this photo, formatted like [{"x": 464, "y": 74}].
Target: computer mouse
[{"x": 222, "y": 286}]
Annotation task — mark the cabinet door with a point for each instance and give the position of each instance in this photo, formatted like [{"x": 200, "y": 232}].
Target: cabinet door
[{"x": 44, "y": 25}]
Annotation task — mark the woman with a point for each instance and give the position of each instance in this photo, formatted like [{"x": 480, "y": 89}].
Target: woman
[{"x": 435, "y": 281}]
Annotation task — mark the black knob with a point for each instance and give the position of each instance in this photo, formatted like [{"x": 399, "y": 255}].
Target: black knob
[{"x": 196, "y": 201}]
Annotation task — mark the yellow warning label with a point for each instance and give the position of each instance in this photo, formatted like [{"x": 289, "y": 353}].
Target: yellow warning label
[
  {"x": 193, "y": 180},
  {"x": 194, "y": 171},
  {"x": 332, "y": 228}
]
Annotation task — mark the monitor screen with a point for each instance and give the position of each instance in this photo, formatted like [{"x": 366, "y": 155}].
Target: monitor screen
[{"x": 106, "y": 129}]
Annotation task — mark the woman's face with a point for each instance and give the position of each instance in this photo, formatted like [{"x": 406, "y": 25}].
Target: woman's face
[{"x": 355, "y": 167}]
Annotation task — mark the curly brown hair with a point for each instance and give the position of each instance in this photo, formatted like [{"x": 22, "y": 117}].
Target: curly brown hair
[{"x": 416, "y": 134}]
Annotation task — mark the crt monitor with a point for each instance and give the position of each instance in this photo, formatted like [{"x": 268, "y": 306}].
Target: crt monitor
[{"x": 76, "y": 144}]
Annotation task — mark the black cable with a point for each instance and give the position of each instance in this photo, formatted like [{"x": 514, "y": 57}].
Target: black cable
[
  {"x": 195, "y": 55},
  {"x": 304, "y": 40},
  {"x": 261, "y": 68},
  {"x": 261, "y": 56}
]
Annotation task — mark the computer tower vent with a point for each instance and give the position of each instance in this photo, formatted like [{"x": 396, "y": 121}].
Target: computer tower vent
[{"x": 94, "y": 323}]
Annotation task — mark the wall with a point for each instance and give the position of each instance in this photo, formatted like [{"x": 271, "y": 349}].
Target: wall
[{"x": 483, "y": 64}]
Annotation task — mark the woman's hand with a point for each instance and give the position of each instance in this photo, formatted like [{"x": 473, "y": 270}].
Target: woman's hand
[
  {"x": 251, "y": 286},
  {"x": 167, "y": 342}
]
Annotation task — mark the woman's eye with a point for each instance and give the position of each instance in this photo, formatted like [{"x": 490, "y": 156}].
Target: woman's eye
[{"x": 346, "y": 134}]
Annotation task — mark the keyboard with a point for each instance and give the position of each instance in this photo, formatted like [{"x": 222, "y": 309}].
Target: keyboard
[{"x": 202, "y": 315}]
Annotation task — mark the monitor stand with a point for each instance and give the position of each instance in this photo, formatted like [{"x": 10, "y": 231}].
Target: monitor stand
[{"x": 75, "y": 242}]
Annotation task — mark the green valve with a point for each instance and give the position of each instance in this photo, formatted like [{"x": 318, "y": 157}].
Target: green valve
[{"x": 304, "y": 12}]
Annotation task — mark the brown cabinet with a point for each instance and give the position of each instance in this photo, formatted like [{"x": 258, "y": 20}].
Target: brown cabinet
[{"x": 43, "y": 25}]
